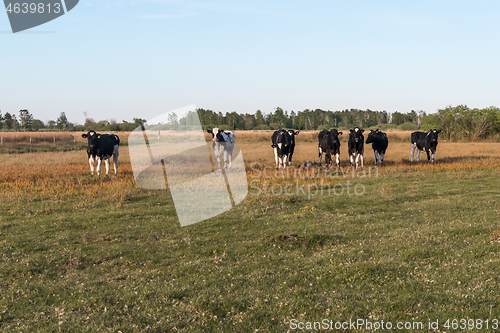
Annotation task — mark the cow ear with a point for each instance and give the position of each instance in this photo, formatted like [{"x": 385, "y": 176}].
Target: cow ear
[
  {"x": 351, "y": 130},
  {"x": 209, "y": 131},
  {"x": 84, "y": 136},
  {"x": 297, "y": 133},
  {"x": 376, "y": 131},
  {"x": 439, "y": 131},
  {"x": 221, "y": 131},
  {"x": 274, "y": 146},
  {"x": 340, "y": 133},
  {"x": 361, "y": 130}
]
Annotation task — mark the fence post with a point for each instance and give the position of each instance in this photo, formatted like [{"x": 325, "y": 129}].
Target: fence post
[
  {"x": 30, "y": 139},
  {"x": 2, "y": 139}
]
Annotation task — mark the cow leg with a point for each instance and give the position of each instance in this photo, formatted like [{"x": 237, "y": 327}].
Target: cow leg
[
  {"x": 276, "y": 157},
  {"x": 115, "y": 159},
  {"x": 375, "y": 153},
  {"x": 230, "y": 157},
  {"x": 320, "y": 154},
  {"x": 351, "y": 159},
  {"x": 428, "y": 156},
  {"x": 91, "y": 162},
  {"x": 99, "y": 161},
  {"x": 381, "y": 159},
  {"x": 230, "y": 154},
  {"x": 432, "y": 156},
  {"x": 362, "y": 159},
  {"x": 106, "y": 162},
  {"x": 357, "y": 160},
  {"x": 337, "y": 158},
  {"x": 285, "y": 161},
  {"x": 418, "y": 155},
  {"x": 413, "y": 146}
]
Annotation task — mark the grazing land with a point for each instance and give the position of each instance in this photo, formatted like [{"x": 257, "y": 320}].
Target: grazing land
[{"x": 401, "y": 243}]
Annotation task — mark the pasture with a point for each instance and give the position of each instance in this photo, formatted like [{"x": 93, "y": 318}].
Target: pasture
[{"x": 415, "y": 243}]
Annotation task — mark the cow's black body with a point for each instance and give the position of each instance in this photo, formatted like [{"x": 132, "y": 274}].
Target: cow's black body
[
  {"x": 379, "y": 143},
  {"x": 329, "y": 143},
  {"x": 424, "y": 141},
  {"x": 281, "y": 142},
  {"x": 355, "y": 146},
  {"x": 292, "y": 134},
  {"x": 100, "y": 148}
]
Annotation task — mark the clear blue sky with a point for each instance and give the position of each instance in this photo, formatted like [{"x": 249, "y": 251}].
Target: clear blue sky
[{"x": 124, "y": 59}]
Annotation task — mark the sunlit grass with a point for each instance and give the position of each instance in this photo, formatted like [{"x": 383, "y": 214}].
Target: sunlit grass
[{"x": 82, "y": 253}]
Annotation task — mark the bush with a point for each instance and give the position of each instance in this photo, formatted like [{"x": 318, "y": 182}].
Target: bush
[
  {"x": 323, "y": 127},
  {"x": 407, "y": 127},
  {"x": 263, "y": 127},
  {"x": 274, "y": 126},
  {"x": 384, "y": 127}
]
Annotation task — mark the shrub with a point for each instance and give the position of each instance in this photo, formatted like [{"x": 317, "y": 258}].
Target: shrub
[{"x": 408, "y": 127}]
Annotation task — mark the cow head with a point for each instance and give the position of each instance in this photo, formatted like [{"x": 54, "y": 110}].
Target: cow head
[
  {"x": 91, "y": 137},
  {"x": 432, "y": 136},
  {"x": 372, "y": 136},
  {"x": 215, "y": 133},
  {"x": 357, "y": 134},
  {"x": 335, "y": 134},
  {"x": 292, "y": 135},
  {"x": 283, "y": 139}
]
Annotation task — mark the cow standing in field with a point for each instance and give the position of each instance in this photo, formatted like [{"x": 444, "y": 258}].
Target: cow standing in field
[
  {"x": 379, "y": 143},
  {"x": 292, "y": 134},
  {"x": 223, "y": 144},
  {"x": 329, "y": 144},
  {"x": 281, "y": 143},
  {"x": 424, "y": 142},
  {"x": 355, "y": 146},
  {"x": 102, "y": 147}
]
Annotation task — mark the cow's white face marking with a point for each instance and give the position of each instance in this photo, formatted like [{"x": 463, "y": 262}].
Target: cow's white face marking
[
  {"x": 356, "y": 129},
  {"x": 215, "y": 131},
  {"x": 279, "y": 145}
]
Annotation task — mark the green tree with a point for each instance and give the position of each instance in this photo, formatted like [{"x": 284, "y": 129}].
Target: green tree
[
  {"x": 398, "y": 118},
  {"x": 37, "y": 124},
  {"x": 9, "y": 121},
  {"x": 25, "y": 119},
  {"x": 51, "y": 124},
  {"x": 62, "y": 122}
]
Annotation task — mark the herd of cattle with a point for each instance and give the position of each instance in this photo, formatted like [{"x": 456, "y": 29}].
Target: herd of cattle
[
  {"x": 102, "y": 146},
  {"x": 283, "y": 142}
]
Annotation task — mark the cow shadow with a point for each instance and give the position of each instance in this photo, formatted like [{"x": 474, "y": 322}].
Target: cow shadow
[{"x": 449, "y": 160}]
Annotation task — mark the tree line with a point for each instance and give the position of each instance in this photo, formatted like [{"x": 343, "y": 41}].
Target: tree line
[{"x": 455, "y": 122}]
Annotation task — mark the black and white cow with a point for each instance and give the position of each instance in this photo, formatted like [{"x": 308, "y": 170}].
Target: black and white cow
[
  {"x": 102, "y": 147},
  {"x": 329, "y": 144},
  {"x": 379, "y": 143},
  {"x": 223, "y": 144},
  {"x": 281, "y": 142},
  {"x": 292, "y": 134},
  {"x": 355, "y": 146},
  {"x": 424, "y": 142}
]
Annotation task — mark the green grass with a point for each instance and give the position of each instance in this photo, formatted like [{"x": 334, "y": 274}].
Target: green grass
[{"x": 418, "y": 245}]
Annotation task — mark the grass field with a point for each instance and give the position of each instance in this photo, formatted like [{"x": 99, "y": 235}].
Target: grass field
[{"x": 410, "y": 244}]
